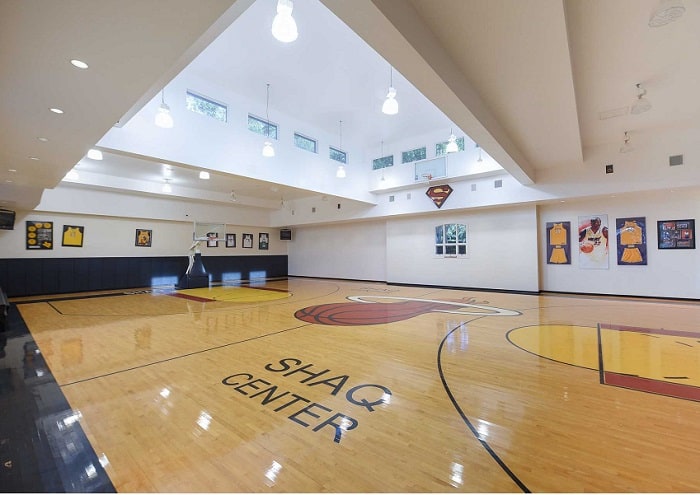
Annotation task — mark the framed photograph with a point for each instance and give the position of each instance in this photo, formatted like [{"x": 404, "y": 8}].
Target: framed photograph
[
  {"x": 212, "y": 239},
  {"x": 73, "y": 235},
  {"x": 676, "y": 234},
  {"x": 248, "y": 241},
  {"x": 39, "y": 235},
  {"x": 558, "y": 243},
  {"x": 593, "y": 242},
  {"x": 631, "y": 240},
  {"x": 230, "y": 240},
  {"x": 263, "y": 240},
  {"x": 143, "y": 237}
]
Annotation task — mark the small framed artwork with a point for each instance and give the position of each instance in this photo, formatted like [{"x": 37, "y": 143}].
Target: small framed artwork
[
  {"x": 248, "y": 241},
  {"x": 39, "y": 235},
  {"x": 73, "y": 235},
  {"x": 143, "y": 237},
  {"x": 230, "y": 240},
  {"x": 212, "y": 239},
  {"x": 676, "y": 234},
  {"x": 263, "y": 240},
  {"x": 558, "y": 243}
]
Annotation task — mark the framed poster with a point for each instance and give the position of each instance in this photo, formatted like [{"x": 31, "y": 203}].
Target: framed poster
[
  {"x": 248, "y": 241},
  {"x": 73, "y": 235},
  {"x": 39, "y": 235},
  {"x": 593, "y": 242},
  {"x": 558, "y": 243},
  {"x": 676, "y": 234},
  {"x": 143, "y": 237},
  {"x": 263, "y": 240},
  {"x": 212, "y": 239},
  {"x": 631, "y": 240},
  {"x": 230, "y": 240}
]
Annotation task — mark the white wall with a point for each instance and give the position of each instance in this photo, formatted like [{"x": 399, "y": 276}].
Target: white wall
[
  {"x": 110, "y": 236},
  {"x": 502, "y": 250},
  {"x": 668, "y": 273}
]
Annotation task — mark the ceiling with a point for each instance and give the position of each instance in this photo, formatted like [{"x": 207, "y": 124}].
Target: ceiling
[{"x": 528, "y": 80}]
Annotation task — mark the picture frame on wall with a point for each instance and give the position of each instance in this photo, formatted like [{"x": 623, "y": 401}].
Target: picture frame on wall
[
  {"x": 676, "y": 234},
  {"x": 39, "y": 235},
  {"x": 558, "y": 243},
  {"x": 263, "y": 241},
  {"x": 143, "y": 237},
  {"x": 73, "y": 235},
  {"x": 593, "y": 242},
  {"x": 212, "y": 239},
  {"x": 230, "y": 240},
  {"x": 248, "y": 241},
  {"x": 631, "y": 240}
]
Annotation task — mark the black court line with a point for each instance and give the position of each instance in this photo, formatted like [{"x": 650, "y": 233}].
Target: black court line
[
  {"x": 469, "y": 424},
  {"x": 201, "y": 351}
]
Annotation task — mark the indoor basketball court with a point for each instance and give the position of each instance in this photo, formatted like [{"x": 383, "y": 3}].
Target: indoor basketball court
[{"x": 315, "y": 385}]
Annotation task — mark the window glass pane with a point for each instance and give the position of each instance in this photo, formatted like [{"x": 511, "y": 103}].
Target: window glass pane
[
  {"x": 461, "y": 233},
  {"x": 304, "y": 143},
  {"x": 438, "y": 249},
  {"x": 462, "y": 249},
  {"x": 438, "y": 235},
  {"x": 385, "y": 161},
  {"x": 441, "y": 148},
  {"x": 337, "y": 155},
  {"x": 205, "y": 106},
  {"x": 259, "y": 126},
  {"x": 413, "y": 155},
  {"x": 451, "y": 233},
  {"x": 450, "y": 249}
]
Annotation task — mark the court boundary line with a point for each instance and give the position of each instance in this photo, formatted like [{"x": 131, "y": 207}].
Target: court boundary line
[{"x": 464, "y": 417}]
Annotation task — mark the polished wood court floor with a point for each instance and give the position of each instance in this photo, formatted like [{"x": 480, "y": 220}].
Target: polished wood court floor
[{"x": 306, "y": 385}]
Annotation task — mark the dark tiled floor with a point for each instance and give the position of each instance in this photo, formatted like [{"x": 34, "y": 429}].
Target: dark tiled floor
[{"x": 42, "y": 445}]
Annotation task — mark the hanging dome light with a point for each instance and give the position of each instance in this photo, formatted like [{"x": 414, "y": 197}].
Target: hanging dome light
[
  {"x": 94, "y": 154},
  {"x": 391, "y": 106},
  {"x": 284, "y": 27},
  {"x": 163, "y": 117},
  {"x": 340, "y": 173},
  {"x": 268, "y": 151},
  {"x": 641, "y": 104},
  {"x": 452, "y": 144}
]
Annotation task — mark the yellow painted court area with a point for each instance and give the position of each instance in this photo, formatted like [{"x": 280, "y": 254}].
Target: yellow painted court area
[{"x": 235, "y": 294}]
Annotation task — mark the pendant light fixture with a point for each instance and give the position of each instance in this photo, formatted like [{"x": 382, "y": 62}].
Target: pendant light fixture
[
  {"x": 94, "y": 154},
  {"x": 391, "y": 106},
  {"x": 479, "y": 159},
  {"x": 163, "y": 117},
  {"x": 284, "y": 27},
  {"x": 665, "y": 12},
  {"x": 641, "y": 104},
  {"x": 452, "y": 144},
  {"x": 268, "y": 151},
  {"x": 167, "y": 188},
  {"x": 626, "y": 146},
  {"x": 340, "y": 173}
]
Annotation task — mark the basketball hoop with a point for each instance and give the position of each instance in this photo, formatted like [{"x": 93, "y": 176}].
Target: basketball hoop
[{"x": 427, "y": 177}]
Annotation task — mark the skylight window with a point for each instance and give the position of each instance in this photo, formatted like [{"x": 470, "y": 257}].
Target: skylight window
[
  {"x": 305, "y": 143},
  {"x": 206, "y": 106},
  {"x": 260, "y": 126},
  {"x": 337, "y": 155}
]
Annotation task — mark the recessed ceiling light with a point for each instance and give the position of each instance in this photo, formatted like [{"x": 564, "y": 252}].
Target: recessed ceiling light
[
  {"x": 79, "y": 63},
  {"x": 56, "y": 110},
  {"x": 203, "y": 175},
  {"x": 12, "y": 170},
  {"x": 43, "y": 139},
  {"x": 94, "y": 154},
  {"x": 34, "y": 158},
  {"x": 8, "y": 181}
]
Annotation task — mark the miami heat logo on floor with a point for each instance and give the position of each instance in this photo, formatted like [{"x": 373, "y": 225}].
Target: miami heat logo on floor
[{"x": 388, "y": 309}]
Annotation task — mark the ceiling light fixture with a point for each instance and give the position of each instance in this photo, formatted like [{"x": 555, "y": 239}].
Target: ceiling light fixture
[
  {"x": 452, "y": 144},
  {"x": 163, "y": 117},
  {"x": 79, "y": 64},
  {"x": 641, "y": 105},
  {"x": 391, "y": 106},
  {"x": 73, "y": 175},
  {"x": 233, "y": 196},
  {"x": 56, "y": 110},
  {"x": 167, "y": 188},
  {"x": 268, "y": 151},
  {"x": 665, "y": 12},
  {"x": 479, "y": 159},
  {"x": 203, "y": 174},
  {"x": 94, "y": 154},
  {"x": 284, "y": 27},
  {"x": 340, "y": 173},
  {"x": 626, "y": 146}
]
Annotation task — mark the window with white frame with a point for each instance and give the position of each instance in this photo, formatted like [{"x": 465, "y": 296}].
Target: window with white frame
[
  {"x": 305, "y": 143},
  {"x": 262, "y": 126},
  {"x": 441, "y": 148},
  {"x": 205, "y": 106},
  {"x": 383, "y": 162},
  {"x": 413, "y": 155},
  {"x": 451, "y": 240}
]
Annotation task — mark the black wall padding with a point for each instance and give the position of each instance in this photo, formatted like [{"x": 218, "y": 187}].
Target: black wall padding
[{"x": 41, "y": 276}]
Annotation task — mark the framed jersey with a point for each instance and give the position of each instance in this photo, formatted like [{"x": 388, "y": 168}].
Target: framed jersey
[
  {"x": 558, "y": 243},
  {"x": 631, "y": 240},
  {"x": 73, "y": 235}
]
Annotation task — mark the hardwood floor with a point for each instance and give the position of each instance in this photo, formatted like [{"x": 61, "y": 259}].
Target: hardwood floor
[{"x": 306, "y": 385}]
